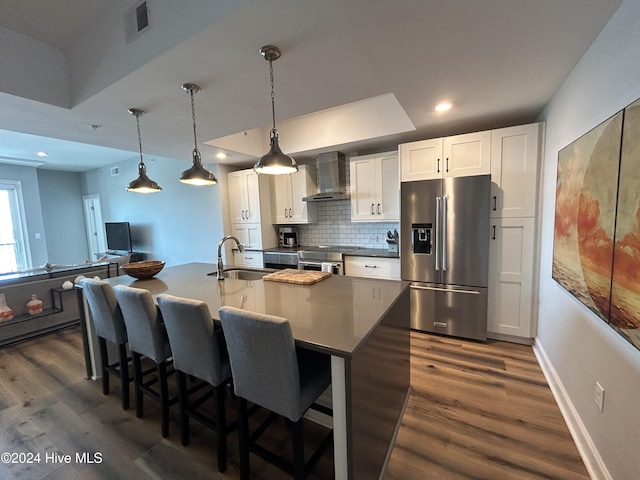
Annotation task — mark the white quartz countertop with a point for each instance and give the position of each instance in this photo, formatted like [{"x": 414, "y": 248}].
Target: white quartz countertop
[{"x": 334, "y": 315}]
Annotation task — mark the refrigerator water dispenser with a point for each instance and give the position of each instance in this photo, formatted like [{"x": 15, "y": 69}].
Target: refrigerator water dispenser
[{"x": 421, "y": 237}]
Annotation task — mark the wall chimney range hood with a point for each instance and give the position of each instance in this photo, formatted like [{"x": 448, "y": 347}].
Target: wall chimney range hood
[{"x": 330, "y": 167}]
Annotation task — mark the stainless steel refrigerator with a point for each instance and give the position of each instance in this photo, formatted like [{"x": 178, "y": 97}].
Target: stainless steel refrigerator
[{"x": 444, "y": 251}]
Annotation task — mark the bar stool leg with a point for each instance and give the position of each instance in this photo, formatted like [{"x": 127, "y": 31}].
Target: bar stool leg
[
  {"x": 221, "y": 428},
  {"x": 137, "y": 383},
  {"x": 243, "y": 436},
  {"x": 104, "y": 360},
  {"x": 183, "y": 401},
  {"x": 164, "y": 398},
  {"x": 124, "y": 376},
  {"x": 298, "y": 450}
]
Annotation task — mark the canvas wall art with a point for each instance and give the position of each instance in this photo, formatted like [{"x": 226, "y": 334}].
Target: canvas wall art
[{"x": 596, "y": 250}]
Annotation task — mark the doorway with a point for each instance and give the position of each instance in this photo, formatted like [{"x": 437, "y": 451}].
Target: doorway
[{"x": 94, "y": 226}]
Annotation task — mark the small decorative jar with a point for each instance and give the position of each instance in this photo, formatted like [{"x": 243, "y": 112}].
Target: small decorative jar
[
  {"x": 67, "y": 285},
  {"x": 5, "y": 311},
  {"x": 34, "y": 306}
]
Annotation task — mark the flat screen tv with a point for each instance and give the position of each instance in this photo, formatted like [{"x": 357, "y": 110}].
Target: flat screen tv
[{"x": 118, "y": 236}]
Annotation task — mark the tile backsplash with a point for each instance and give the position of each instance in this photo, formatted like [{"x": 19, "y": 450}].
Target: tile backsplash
[{"x": 334, "y": 227}]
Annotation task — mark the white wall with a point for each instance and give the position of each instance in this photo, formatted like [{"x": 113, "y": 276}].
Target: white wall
[
  {"x": 181, "y": 224},
  {"x": 63, "y": 216},
  {"x": 579, "y": 347}
]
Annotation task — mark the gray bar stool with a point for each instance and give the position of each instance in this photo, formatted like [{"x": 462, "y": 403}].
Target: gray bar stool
[
  {"x": 148, "y": 337},
  {"x": 198, "y": 350},
  {"x": 109, "y": 325},
  {"x": 268, "y": 371}
]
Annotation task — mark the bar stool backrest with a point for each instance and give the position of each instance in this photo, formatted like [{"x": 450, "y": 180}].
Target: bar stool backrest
[
  {"x": 105, "y": 311},
  {"x": 196, "y": 346}
]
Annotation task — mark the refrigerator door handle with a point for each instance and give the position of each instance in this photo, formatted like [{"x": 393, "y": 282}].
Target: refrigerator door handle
[
  {"x": 439, "y": 289},
  {"x": 444, "y": 234},
  {"x": 437, "y": 233}
]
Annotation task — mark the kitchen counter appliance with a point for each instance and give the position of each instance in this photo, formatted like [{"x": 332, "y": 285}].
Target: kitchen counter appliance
[
  {"x": 312, "y": 258},
  {"x": 445, "y": 250},
  {"x": 280, "y": 260}
]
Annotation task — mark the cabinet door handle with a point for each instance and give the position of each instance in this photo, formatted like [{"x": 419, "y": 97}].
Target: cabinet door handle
[
  {"x": 290, "y": 213},
  {"x": 495, "y": 203},
  {"x": 447, "y": 164},
  {"x": 494, "y": 232},
  {"x": 242, "y": 214},
  {"x": 370, "y": 266},
  {"x": 372, "y": 207},
  {"x": 438, "y": 165},
  {"x": 285, "y": 212},
  {"x": 379, "y": 212}
]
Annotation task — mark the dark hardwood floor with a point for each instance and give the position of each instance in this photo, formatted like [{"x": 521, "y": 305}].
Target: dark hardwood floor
[{"x": 476, "y": 411}]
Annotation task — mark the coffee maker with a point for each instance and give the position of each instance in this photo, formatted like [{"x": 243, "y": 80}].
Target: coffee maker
[{"x": 288, "y": 237}]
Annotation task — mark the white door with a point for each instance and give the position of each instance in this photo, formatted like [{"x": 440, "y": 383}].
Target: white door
[
  {"x": 93, "y": 225},
  {"x": 389, "y": 188},
  {"x": 281, "y": 198},
  {"x": 363, "y": 189}
]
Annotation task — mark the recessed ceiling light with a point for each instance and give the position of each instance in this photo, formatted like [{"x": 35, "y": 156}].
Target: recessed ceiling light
[
  {"x": 42, "y": 154},
  {"x": 443, "y": 106},
  {"x": 221, "y": 155}
]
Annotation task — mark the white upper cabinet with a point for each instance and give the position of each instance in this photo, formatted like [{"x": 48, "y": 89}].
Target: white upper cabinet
[
  {"x": 457, "y": 156},
  {"x": 515, "y": 154},
  {"x": 375, "y": 189},
  {"x": 421, "y": 160},
  {"x": 244, "y": 196},
  {"x": 287, "y": 194}
]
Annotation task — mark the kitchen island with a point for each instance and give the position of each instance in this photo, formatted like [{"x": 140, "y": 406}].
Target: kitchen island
[{"x": 363, "y": 324}]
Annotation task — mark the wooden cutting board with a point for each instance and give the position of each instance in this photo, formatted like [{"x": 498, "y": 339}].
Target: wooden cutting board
[{"x": 301, "y": 277}]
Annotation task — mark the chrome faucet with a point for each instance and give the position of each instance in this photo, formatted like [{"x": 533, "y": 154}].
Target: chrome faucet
[{"x": 224, "y": 239}]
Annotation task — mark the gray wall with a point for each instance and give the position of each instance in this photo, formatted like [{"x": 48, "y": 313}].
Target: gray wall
[
  {"x": 577, "y": 347},
  {"x": 31, "y": 197},
  {"x": 181, "y": 224},
  {"x": 63, "y": 216}
]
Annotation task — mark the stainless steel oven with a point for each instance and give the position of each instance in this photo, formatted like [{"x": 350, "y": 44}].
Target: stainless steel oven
[
  {"x": 280, "y": 260},
  {"x": 337, "y": 268},
  {"x": 312, "y": 258}
]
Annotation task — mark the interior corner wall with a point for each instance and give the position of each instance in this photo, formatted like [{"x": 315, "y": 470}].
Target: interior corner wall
[
  {"x": 180, "y": 224},
  {"x": 579, "y": 347},
  {"x": 63, "y": 216}
]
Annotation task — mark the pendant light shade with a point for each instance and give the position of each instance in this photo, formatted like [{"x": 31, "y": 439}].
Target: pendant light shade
[
  {"x": 274, "y": 162},
  {"x": 197, "y": 174},
  {"x": 142, "y": 184}
]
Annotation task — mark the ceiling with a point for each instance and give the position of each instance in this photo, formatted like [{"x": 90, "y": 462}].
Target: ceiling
[{"x": 70, "y": 73}]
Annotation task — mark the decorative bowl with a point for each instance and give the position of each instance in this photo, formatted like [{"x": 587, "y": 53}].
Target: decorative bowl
[{"x": 143, "y": 270}]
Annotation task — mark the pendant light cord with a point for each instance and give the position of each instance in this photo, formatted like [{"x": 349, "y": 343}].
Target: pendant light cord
[
  {"x": 139, "y": 139},
  {"x": 273, "y": 101},
  {"x": 193, "y": 117}
]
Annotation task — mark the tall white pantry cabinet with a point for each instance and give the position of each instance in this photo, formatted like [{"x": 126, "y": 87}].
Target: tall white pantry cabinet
[
  {"x": 250, "y": 211},
  {"x": 512, "y": 156},
  {"x": 515, "y": 157}
]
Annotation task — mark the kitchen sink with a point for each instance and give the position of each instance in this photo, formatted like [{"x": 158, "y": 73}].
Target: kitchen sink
[{"x": 243, "y": 273}]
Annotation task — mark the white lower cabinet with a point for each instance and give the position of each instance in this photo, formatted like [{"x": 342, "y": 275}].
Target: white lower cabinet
[
  {"x": 378, "y": 267},
  {"x": 248, "y": 258},
  {"x": 511, "y": 267}
]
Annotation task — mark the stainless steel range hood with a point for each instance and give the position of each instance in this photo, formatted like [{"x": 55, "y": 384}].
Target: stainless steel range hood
[{"x": 331, "y": 178}]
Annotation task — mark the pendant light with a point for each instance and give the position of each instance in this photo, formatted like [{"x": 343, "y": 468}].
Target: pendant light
[
  {"x": 274, "y": 162},
  {"x": 197, "y": 174},
  {"x": 142, "y": 184}
]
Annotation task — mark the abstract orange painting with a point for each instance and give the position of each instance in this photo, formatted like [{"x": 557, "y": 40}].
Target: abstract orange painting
[
  {"x": 596, "y": 248},
  {"x": 625, "y": 292},
  {"x": 585, "y": 215}
]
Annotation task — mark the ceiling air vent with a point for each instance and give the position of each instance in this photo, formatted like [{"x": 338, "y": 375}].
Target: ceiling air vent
[
  {"x": 115, "y": 171},
  {"x": 136, "y": 21}
]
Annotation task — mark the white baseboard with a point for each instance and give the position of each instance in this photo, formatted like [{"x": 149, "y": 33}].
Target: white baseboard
[{"x": 590, "y": 455}]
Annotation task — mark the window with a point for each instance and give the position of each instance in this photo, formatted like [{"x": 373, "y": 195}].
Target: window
[{"x": 14, "y": 252}]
